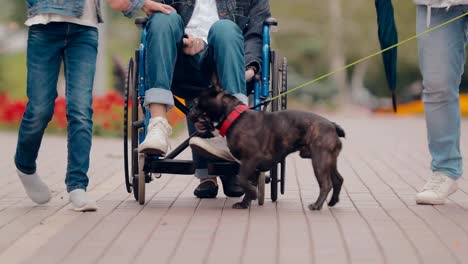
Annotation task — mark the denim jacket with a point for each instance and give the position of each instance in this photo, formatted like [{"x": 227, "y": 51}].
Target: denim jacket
[
  {"x": 247, "y": 14},
  {"x": 73, "y": 8}
]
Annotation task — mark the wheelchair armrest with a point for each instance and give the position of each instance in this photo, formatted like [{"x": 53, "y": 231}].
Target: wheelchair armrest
[
  {"x": 270, "y": 22},
  {"x": 141, "y": 21}
]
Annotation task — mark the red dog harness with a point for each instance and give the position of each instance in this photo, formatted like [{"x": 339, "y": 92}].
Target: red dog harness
[{"x": 231, "y": 118}]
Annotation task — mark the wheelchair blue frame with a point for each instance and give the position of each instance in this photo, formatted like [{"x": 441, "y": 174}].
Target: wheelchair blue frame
[
  {"x": 141, "y": 80},
  {"x": 265, "y": 91},
  {"x": 261, "y": 88}
]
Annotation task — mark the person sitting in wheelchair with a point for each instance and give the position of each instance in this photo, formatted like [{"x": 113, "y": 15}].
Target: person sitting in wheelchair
[{"x": 222, "y": 37}]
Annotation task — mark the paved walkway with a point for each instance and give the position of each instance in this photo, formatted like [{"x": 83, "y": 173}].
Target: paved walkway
[{"x": 384, "y": 162}]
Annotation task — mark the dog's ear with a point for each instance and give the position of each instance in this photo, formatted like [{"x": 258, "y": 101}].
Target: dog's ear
[
  {"x": 215, "y": 83},
  {"x": 214, "y": 91}
]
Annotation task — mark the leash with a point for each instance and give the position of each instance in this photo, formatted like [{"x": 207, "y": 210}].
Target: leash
[{"x": 264, "y": 103}]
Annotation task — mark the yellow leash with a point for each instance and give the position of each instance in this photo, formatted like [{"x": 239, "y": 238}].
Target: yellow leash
[{"x": 368, "y": 57}]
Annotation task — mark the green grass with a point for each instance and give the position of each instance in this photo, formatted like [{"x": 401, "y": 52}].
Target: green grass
[
  {"x": 13, "y": 74},
  {"x": 122, "y": 41}
]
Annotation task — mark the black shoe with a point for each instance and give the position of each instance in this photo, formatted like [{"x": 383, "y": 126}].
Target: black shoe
[
  {"x": 231, "y": 186},
  {"x": 206, "y": 189}
]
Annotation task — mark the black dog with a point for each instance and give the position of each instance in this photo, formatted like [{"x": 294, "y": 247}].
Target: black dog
[{"x": 262, "y": 139}]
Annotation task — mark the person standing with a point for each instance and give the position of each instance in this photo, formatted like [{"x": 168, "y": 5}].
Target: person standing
[
  {"x": 441, "y": 59},
  {"x": 61, "y": 31}
]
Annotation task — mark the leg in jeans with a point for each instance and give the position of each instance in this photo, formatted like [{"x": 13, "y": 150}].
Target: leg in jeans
[
  {"x": 44, "y": 55},
  {"x": 165, "y": 34},
  {"x": 164, "y": 37},
  {"x": 80, "y": 64},
  {"x": 226, "y": 49},
  {"x": 442, "y": 58}
]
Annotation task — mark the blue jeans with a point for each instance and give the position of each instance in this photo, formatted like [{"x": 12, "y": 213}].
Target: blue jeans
[
  {"x": 167, "y": 65},
  {"x": 168, "y": 68},
  {"x": 442, "y": 59},
  {"x": 48, "y": 46}
]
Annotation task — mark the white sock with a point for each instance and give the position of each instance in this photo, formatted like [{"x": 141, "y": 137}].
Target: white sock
[
  {"x": 80, "y": 202},
  {"x": 35, "y": 188}
]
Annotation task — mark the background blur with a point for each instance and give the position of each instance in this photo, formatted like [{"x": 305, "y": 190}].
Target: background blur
[{"x": 315, "y": 36}]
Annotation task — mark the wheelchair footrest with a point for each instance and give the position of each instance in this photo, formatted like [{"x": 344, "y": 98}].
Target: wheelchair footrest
[
  {"x": 171, "y": 166},
  {"x": 223, "y": 168}
]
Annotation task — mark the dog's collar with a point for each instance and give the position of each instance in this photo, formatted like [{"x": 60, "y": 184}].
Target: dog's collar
[{"x": 231, "y": 118}]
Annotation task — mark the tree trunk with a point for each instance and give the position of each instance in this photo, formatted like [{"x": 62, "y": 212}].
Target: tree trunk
[
  {"x": 100, "y": 81},
  {"x": 337, "y": 56}
]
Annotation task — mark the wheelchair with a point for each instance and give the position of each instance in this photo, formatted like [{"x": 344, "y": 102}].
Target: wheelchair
[{"x": 140, "y": 168}]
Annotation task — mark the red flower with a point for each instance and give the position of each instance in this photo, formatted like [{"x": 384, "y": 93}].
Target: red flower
[
  {"x": 60, "y": 112},
  {"x": 106, "y": 125},
  {"x": 108, "y": 111},
  {"x": 3, "y": 99},
  {"x": 14, "y": 112}
]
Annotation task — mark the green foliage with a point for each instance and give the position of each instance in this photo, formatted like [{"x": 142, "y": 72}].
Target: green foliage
[
  {"x": 13, "y": 11},
  {"x": 304, "y": 37},
  {"x": 19, "y": 13},
  {"x": 13, "y": 74}
]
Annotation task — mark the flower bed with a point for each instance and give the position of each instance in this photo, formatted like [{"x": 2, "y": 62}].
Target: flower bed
[
  {"x": 417, "y": 108},
  {"x": 108, "y": 114}
]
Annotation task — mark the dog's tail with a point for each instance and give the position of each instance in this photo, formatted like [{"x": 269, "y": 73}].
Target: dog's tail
[{"x": 339, "y": 131}]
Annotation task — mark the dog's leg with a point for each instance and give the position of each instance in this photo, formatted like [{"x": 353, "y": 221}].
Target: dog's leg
[
  {"x": 336, "y": 177},
  {"x": 337, "y": 181},
  {"x": 246, "y": 172},
  {"x": 322, "y": 168}
]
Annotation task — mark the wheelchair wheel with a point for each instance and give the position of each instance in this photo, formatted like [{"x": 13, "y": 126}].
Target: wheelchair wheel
[
  {"x": 128, "y": 86},
  {"x": 274, "y": 107},
  {"x": 274, "y": 183},
  {"x": 284, "y": 83},
  {"x": 135, "y": 187},
  {"x": 141, "y": 178},
  {"x": 283, "y": 176},
  {"x": 261, "y": 188},
  {"x": 283, "y": 106},
  {"x": 135, "y": 129},
  {"x": 274, "y": 80}
]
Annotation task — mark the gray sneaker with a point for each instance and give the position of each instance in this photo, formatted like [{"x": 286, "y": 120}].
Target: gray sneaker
[
  {"x": 437, "y": 189},
  {"x": 214, "y": 148}
]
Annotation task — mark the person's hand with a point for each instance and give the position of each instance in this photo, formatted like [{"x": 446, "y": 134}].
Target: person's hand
[
  {"x": 249, "y": 74},
  {"x": 119, "y": 5},
  {"x": 193, "y": 45},
  {"x": 150, "y": 7}
]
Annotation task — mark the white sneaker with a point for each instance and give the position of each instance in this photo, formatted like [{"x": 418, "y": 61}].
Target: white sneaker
[
  {"x": 35, "y": 188},
  {"x": 157, "y": 137},
  {"x": 437, "y": 189},
  {"x": 80, "y": 201},
  {"x": 213, "y": 148}
]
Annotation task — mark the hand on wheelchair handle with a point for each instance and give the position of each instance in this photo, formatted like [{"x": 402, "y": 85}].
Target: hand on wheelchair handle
[
  {"x": 249, "y": 74},
  {"x": 150, "y": 7}
]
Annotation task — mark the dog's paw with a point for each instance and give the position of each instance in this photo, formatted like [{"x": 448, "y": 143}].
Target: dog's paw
[
  {"x": 315, "y": 206},
  {"x": 333, "y": 202},
  {"x": 240, "y": 205}
]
